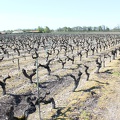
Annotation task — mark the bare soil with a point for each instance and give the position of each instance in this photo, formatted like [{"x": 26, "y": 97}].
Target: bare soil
[{"x": 96, "y": 99}]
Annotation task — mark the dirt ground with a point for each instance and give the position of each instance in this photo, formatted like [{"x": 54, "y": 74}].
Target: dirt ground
[{"x": 96, "y": 99}]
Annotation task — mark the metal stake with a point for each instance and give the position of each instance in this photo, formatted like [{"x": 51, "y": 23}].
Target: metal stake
[
  {"x": 18, "y": 68},
  {"x": 38, "y": 86}
]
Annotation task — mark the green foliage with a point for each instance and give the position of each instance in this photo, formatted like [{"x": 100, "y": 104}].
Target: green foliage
[
  {"x": 47, "y": 30},
  {"x": 40, "y": 29},
  {"x": 100, "y": 28},
  {"x": 107, "y": 29},
  {"x": 83, "y": 29},
  {"x": 44, "y": 30}
]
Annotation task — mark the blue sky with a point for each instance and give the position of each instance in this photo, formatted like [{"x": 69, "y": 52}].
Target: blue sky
[{"x": 23, "y": 14}]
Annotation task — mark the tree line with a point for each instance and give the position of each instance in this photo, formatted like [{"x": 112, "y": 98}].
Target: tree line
[
  {"x": 46, "y": 29},
  {"x": 79, "y": 29}
]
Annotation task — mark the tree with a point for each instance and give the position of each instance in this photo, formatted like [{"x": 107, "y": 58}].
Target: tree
[
  {"x": 107, "y": 29},
  {"x": 84, "y": 28},
  {"x": 47, "y": 30},
  {"x": 95, "y": 28},
  {"x": 100, "y": 28},
  {"x": 59, "y": 29},
  {"x": 65, "y": 29},
  {"x": 69, "y": 29},
  {"x": 89, "y": 28},
  {"x": 40, "y": 29}
]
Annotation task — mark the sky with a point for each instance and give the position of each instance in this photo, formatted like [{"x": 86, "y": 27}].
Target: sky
[{"x": 29, "y": 14}]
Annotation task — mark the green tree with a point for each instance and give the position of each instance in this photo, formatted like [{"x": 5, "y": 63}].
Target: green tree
[
  {"x": 107, "y": 29},
  {"x": 65, "y": 29},
  {"x": 89, "y": 28},
  {"x": 84, "y": 28},
  {"x": 47, "y": 30},
  {"x": 59, "y": 29},
  {"x": 69, "y": 29},
  {"x": 95, "y": 28},
  {"x": 100, "y": 28},
  {"x": 40, "y": 29}
]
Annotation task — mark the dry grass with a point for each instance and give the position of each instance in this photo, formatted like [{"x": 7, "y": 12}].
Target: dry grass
[{"x": 104, "y": 86}]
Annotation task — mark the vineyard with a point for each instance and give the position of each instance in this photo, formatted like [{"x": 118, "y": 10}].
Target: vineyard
[{"x": 41, "y": 73}]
